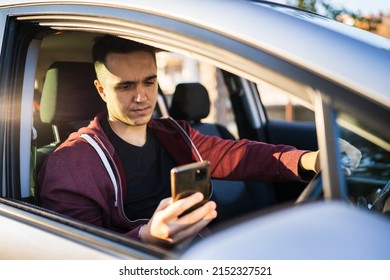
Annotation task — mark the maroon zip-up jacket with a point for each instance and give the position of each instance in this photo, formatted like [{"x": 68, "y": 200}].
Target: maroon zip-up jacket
[{"x": 74, "y": 181}]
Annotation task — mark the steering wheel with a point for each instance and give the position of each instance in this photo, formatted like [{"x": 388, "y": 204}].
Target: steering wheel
[
  {"x": 312, "y": 191},
  {"x": 382, "y": 202}
]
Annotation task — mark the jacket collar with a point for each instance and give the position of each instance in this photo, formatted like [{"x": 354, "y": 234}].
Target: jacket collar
[{"x": 166, "y": 130}]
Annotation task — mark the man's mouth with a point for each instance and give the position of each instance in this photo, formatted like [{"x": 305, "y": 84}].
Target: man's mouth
[{"x": 140, "y": 110}]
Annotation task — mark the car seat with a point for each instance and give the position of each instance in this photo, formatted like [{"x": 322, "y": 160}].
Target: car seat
[
  {"x": 69, "y": 101},
  {"x": 191, "y": 102},
  {"x": 69, "y": 98}
]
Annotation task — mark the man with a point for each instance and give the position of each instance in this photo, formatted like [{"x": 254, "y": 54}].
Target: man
[{"x": 124, "y": 184}]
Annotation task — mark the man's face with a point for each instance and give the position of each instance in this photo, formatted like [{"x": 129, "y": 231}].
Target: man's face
[{"x": 128, "y": 85}]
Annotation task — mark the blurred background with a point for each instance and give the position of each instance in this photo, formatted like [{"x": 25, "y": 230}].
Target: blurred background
[{"x": 371, "y": 15}]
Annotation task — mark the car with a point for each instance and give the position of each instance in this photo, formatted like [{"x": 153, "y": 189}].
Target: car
[{"x": 271, "y": 73}]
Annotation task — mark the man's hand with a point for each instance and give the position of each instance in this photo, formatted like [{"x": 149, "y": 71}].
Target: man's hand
[
  {"x": 353, "y": 156},
  {"x": 165, "y": 228},
  {"x": 310, "y": 161}
]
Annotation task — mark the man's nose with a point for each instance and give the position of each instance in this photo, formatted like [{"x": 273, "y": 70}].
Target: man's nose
[{"x": 140, "y": 94}]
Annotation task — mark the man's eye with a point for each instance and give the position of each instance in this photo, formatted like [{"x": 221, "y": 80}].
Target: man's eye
[
  {"x": 150, "y": 83},
  {"x": 123, "y": 87}
]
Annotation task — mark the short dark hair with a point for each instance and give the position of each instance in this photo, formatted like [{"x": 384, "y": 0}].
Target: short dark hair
[{"x": 113, "y": 44}]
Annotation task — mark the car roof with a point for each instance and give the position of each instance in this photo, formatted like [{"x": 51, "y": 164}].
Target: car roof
[{"x": 351, "y": 57}]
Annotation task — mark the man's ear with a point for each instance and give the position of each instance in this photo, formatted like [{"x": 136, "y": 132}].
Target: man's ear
[{"x": 100, "y": 89}]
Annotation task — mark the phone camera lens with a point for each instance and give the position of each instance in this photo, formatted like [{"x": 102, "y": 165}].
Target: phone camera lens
[{"x": 200, "y": 174}]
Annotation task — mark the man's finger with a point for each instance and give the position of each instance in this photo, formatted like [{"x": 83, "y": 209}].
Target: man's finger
[
  {"x": 178, "y": 207},
  {"x": 206, "y": 211}
]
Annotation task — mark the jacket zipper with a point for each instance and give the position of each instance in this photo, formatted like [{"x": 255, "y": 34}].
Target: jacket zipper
[{"x": 118, "y": 190}]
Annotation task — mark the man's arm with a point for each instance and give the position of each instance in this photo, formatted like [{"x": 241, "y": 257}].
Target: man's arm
[{"x": 60, "y": 192}]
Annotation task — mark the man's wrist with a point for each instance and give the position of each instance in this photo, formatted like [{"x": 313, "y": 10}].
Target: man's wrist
[{"x": 310, "y": 162}]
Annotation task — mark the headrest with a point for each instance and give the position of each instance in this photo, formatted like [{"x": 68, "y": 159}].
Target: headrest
[
  {"x": 68, "y": 94},
  {"x": 190, "y": 102}
]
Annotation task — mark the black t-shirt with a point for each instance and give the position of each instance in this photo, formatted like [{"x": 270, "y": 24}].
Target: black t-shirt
[{"x": 147, "y": 171}]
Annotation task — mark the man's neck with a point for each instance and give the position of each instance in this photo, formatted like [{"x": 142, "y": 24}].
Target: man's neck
[{"x": 134, "y": 135}]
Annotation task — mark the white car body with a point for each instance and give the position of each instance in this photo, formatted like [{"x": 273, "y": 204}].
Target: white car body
[{"x": 328, "y": 66}]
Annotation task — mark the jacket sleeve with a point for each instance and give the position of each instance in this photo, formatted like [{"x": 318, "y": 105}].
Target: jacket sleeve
[
  {"x": 247, "y": 160},
  {"x": 81, "y": 193},
  {"x": 62, "y": 191}
]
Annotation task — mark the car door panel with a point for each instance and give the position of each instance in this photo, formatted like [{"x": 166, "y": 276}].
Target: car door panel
[{"x": 301, "y": 135}]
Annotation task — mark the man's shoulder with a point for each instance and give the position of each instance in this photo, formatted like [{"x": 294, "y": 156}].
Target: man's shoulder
[{"x": 74, "y": 145}]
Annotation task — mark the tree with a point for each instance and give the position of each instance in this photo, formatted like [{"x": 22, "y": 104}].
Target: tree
[
  {"x": 309, "y": 5},
  {"x": 324, "y": 8}
]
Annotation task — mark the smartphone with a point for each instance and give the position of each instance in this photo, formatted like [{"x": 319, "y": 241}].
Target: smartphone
[{"x": 191, "y": 178}]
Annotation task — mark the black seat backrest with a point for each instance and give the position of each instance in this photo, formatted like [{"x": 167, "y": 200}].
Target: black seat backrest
[
  {"x": 191, "y": 102},
  {"x": 69, "y": 97},
  {"x": 69, "y": 101}
]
